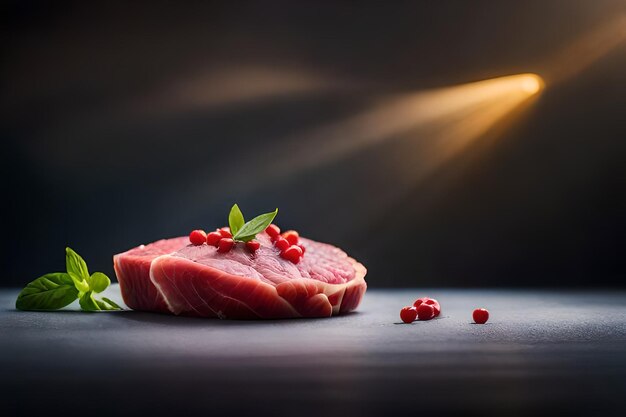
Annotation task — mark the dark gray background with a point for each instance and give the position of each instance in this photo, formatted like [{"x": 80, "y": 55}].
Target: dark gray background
[{"x": 98, "y": 156}]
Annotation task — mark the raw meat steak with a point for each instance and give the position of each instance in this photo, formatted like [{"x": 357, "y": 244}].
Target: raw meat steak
[{"x": 171, "y": 276}]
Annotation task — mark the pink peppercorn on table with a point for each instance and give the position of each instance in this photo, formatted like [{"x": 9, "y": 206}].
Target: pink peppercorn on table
[{"x": 540, "y": 352}]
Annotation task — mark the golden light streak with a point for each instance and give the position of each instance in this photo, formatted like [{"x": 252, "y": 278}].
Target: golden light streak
[{"x": 394, "y": 117}]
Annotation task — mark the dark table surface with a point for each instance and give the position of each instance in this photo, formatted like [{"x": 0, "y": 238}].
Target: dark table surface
[{"x": 557, "y": 352}]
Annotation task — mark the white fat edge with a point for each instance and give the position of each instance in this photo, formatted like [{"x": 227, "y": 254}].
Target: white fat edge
[
  {"x": 331, "y": 289},
  {"x": 158, "y": 287}
]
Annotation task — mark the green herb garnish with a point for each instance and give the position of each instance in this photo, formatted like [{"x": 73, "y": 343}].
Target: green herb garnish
[
  {"x": 235, "y": 219},
  {"x": 245, "y": 231},
  {"x": 59, "y": 289}
]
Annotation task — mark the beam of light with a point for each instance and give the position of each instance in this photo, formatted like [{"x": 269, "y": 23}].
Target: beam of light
[
  {"x": 400, "y": 115},
  {"x": 585, "y": 50},
  {"x": 396, "y": 116},
  {"x": 440, "y": 122}
]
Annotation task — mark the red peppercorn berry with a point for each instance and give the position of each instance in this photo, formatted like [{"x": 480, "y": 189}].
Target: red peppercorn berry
[
  {"x": 429, "y": 301},
  {"x": 408, "y": 314},
  {"x": 197, "y": 237},
  {"x": 480, "y": 315},
  {"x": 301, "y": 246},
  {"x": 225, "y": 232},
  {"x": 253, "y": 245},
  {"x": 293, "y": 253},
  {"x": 273, "y": 231},
  {"x": 281, "y": 243},
  {"x": 425, "y": 311},
  {"x": 225, "y": 244},
  {"x": 213, "y": 238},
  {"x": 292, "y": 237},
  {"x": 435, "y": 304}
]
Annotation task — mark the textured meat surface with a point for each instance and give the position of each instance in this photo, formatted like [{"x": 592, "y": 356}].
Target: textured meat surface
[
  {"x": 199, "y": 281},
  {"x": 133, "y": 273},
  {"x": 321, "y": 262}
]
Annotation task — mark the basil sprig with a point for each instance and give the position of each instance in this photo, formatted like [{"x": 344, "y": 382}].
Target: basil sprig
[
  {"x": 59, "y": 289},
  {"x": 235, "y": 219},
  {"x": 245, "y": 231}
]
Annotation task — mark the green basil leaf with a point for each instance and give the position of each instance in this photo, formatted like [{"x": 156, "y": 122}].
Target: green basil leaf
[
  {"x": 49, "y": 292},
  {"x": 249, "y": 230},
  {"x": 77, "y": 270},
  {"x": 88, "y": 303},
  {"x": 107, "y": 304},
  {"x": 80, "y": 284},
  {"x": 235, "y": 219},
  {"x": 99, "y": 282},
  {"x": 113, "y": 303},
  {"x": 76, "y": 265}
]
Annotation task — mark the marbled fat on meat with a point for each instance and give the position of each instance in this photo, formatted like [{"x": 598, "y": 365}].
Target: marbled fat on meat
[{"x": 175, "y": 277}]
